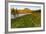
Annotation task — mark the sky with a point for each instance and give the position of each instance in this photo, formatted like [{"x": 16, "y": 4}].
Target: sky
[{"x": 22, "y": 7}]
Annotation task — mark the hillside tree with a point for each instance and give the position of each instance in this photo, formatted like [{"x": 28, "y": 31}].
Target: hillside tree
[{"x": 13, "y": 12}]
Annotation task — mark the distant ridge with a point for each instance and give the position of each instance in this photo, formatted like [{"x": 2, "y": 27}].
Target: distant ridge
[{"x": 24, "y": 11}]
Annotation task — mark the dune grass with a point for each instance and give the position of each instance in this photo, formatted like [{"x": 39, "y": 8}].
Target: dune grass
[{"x": 30, "y": 20}]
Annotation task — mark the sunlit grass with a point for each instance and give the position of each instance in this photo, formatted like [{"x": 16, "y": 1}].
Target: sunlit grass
[{"x": 30, "y": 20}]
